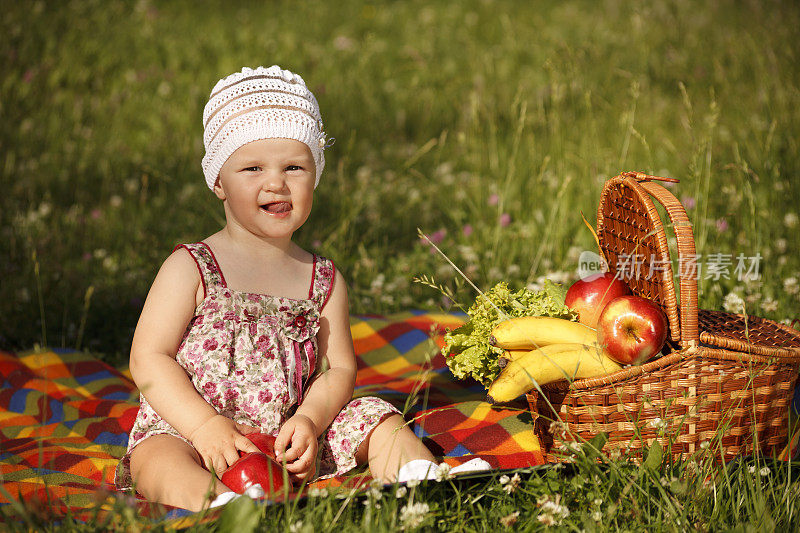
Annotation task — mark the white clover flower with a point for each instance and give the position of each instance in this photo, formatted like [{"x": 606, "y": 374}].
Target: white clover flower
[
  {"x": 597, "y": 516},
  {"x": 552, "y": 512},
  {"x": 547, "y": 519},
  {"x": 413, "y": 515},
  {"x": 598, "y": 502},
  {"x": 704, "y": 445},
  {"x": 509, "y": 520},
  {"x": 769, "y": 305},
  {"x": 296, "y": 527},
  {"x": 791, "y": 285},
  {"x": 369, "y": 502},
  {"x": 411, "y": 483},
  {"x": 790, "y": 220},
  {"x": 443, "y": 472},
  {"x": 575, "y": 447},
  {"x": 764, "y": 471},
  {"x": 504, "y": 479},
  {"x": 512, "y": 484},
  {"x": 318, "y": 492},
  {"x": 657, "y": 423},
  {"x": 400, "y": 492},
  {"x": 751, "y": 469},
  {"x": 733, "y": 303}
]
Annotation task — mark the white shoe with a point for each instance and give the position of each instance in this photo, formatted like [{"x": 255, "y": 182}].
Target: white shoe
[
  {"x": 417, "y": 470},
  {"x": 222, "y": 499},
  {"x": 254, "y": 491},
  {"x": 473, "y": 465}
]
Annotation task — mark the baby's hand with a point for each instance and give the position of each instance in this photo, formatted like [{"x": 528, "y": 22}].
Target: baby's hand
[
  {"x": 218, "y": 441},
  {"x": 300, "y": 458}
]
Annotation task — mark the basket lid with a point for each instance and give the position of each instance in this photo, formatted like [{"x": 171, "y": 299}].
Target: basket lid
[{"x": 634, "y": 244}]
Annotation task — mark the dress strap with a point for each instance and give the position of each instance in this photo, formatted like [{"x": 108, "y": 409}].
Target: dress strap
[
  {"x": 207, "y": 264},
  {"x": 322, "y": 282}
]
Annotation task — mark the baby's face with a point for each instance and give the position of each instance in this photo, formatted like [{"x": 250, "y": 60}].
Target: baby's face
[{"x": 267, "y": 187}]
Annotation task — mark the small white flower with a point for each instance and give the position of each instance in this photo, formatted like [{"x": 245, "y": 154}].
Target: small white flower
[
  {"x": 704, "y": 445},
  {"x": 575, "y": 447},
  {"x": 400, "y": 492},
  {"x": 751, "y": 469},
  {"x": 790, "y": 220},
  {"x": 412, "y": 483},
  {"x": 597, "y": 516},
  {"x": 369, "y": 502},
  {"x": 547, "y": 519},
  {"x": 552, "y": 512},
  {"x": 764, "y": 471},
  {"x": 733, "y": 303},
  {"x": 504, "y": 479},
  {"x": 769, "y": 305},
  {"x": 443, "y": 472},
  {"x": 512, "y": 484},
  {"x": 413, "y": 515},
  {"x": 296, "y": 527},
  {"x": 316, "y": 492},
  {"x": 510, "y": 520},
  {"x": 657, "y": 423},
  {"x": 598, "y": 502},
  {"x": 791, "y": 285}
]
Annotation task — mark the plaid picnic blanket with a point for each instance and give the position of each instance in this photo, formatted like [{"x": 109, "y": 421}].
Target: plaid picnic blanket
[{"x": 65, "y": 416}]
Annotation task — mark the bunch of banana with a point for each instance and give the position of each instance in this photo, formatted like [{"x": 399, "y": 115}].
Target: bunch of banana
[
  {"x": 542, "y": 350},
  {"x": 529, "y": 332}
]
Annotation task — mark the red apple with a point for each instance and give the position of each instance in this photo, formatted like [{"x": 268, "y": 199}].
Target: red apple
[
  {"x": 588, "y": 296},
  {"x": 633, "y": 329},
  {"x": 252, "y": 468},
  {"x": 265, "y": 443}
]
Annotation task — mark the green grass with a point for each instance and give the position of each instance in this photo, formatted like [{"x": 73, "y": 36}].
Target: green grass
[
  {"x": 447, "y": 116},
  {"x": 587, "y": 495}
]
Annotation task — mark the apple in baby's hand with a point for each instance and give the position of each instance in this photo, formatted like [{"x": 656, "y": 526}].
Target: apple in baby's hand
[
  {"x": 265, "y": 443},
  {"x": 255, "y": 467},
  {"x": 632, "y": 329},
  {"x": 252, "y": 468},
  {"x": 588, "y": 296}
]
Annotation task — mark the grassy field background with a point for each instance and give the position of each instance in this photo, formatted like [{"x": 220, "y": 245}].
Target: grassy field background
[{"x": 489, "y": 125}]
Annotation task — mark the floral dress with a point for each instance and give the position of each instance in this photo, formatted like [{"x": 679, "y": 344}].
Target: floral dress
[{"x": 251, "y": 356}]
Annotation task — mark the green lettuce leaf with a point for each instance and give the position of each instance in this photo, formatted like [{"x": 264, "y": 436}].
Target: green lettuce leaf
[{"x": 467, "y": 350}]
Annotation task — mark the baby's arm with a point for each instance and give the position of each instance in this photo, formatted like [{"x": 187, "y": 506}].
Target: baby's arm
[
  {"x": 167, "y": 311},
  {"x": 328, "y": 392}
]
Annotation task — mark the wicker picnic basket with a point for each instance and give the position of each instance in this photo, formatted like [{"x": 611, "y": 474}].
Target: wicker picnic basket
[{"x": 727, "y": 379}]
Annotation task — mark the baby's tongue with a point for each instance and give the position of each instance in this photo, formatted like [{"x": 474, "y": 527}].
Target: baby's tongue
[{"x": 279, "y": 207}]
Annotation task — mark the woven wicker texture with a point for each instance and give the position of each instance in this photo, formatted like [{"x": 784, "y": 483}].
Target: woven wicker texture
[
  {"x": 756, "y": 335},
  {"x": 731, "y": 381},
  {"x": 635, "y": 246}
]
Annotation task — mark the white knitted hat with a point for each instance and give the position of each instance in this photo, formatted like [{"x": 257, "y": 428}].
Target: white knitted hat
[{"x": 255, "y": 104}]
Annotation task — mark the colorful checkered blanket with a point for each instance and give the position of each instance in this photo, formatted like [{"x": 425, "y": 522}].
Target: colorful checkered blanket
[{"x": 65, "y": 416}]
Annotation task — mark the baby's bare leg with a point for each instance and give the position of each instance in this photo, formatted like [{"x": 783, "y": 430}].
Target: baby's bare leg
[
  {"x": 167, "y": 470},
  {"x": 391, "y": 445}
]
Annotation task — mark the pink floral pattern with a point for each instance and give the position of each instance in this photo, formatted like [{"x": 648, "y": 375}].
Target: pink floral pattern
[{"x": 251, "y": 356}]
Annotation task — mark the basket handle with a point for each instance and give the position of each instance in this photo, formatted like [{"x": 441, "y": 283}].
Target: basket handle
[{"x": 685, "y": 241}]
